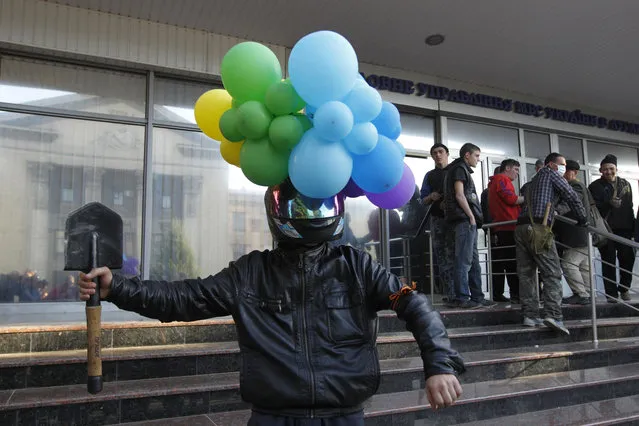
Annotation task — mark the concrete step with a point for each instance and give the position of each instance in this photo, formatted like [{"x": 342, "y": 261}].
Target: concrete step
[
  {"x": 577, "y": 397},
  {"x": 61, "y": 337}
]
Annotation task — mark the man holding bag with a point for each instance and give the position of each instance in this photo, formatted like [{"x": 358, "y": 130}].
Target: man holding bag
[{"x": 535, "y": 246}]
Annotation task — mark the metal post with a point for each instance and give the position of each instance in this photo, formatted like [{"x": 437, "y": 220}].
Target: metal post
[
  {"x": 432, "y": 269},
  {"x": 409, "y": 265},
  {"x": 489, "y": 265},
  {"x": 384, "y": 238},
  {"x": 593, "y": 292},
  {"x": 147, "y": 185}
]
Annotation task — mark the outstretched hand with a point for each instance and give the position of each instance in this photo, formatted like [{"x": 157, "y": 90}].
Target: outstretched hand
[{"x": 442, "y": 390}]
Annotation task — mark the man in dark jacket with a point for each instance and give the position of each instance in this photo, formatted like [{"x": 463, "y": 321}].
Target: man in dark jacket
[
  {"x": 305, "y": 315},
  {"x": 613, "y": 197},
  {"x": 463, "y": 214},
  {"x": 574, "y": 239},
  {"x": 432, "y": 193}
]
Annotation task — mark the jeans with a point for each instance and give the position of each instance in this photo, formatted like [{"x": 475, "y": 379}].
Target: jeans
[
  {"x": 467, "y": 271},
  {"x": 550, "y": 271},
  {"x": 575, "y": 262},
  {"x": 259, "y": 419},
  {"x": 444, "y": 253}
]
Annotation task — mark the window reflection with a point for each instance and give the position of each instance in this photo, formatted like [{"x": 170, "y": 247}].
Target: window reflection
[
  {"x": 205, "y": 212},
  {"x": 174, "y": 100},
  {"x": 492, "y": 140},
  {"x": 56, "y": 165},
  {"x": 71, "y": 87},
  {"x": 418, "y": 132}
]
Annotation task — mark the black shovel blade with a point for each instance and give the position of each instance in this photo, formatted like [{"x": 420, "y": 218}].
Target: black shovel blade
[{"x": 82, "y": 224}]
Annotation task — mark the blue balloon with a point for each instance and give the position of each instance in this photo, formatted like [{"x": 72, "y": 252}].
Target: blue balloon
[
  {"x": 319, "y": 168},
  {"x": 310, "y": 111},
  {"x": 364, "y": 101},
  {"x": 388, "y": 122},
  {"x": 380, "y": 170},
  {"x": 362, "y": 139},
  {"x": 333, "y": 121},
  {"x": 322, "y": 67},
  {"x": 401, "y": 148}
]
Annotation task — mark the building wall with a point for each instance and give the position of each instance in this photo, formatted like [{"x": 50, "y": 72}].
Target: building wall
[{"x": 67, "y": 31}]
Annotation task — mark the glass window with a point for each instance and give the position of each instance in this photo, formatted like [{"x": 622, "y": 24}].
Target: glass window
[
  {"x": 572, "y": 148},
  {"x": 418, "y": 132},
  {"x": 71, "y": 87},
  {"x": 492, "y": 140},
  {"x": 537, "y": 145},
  {"x": 627, "y": 158},
  {"x": 188, "y": 168},
  {"x": 56, "y": 165},
  {"x": 174, "y": 99}
]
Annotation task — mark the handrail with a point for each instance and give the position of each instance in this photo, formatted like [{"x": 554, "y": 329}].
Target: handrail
[{"x": 608, "y": 235}]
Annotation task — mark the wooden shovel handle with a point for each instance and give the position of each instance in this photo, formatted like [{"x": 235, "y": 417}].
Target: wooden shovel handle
[{"x": 94, "y": 348}]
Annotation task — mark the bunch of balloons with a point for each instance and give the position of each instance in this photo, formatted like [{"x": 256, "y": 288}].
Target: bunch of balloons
[
  {"x": 344, "y": 141},
  {"x": 257, "y": 118}
]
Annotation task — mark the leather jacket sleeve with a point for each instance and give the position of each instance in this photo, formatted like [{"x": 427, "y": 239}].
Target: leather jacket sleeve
[
  {"x": 386, "y": 291},
  {"x": 187, "y": 300}
]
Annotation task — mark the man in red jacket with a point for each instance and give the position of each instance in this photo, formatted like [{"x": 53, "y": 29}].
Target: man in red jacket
[{"x": 504, "y": 205}]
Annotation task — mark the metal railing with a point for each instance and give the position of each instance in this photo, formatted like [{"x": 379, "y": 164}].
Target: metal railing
[{"x": 591, "y": 266}]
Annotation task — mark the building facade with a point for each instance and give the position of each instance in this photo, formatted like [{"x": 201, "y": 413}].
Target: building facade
[{"x": 99, "y": 107}]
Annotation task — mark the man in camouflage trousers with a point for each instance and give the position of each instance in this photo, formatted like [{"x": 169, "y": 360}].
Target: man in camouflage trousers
[{"x": 548, "y": 186}]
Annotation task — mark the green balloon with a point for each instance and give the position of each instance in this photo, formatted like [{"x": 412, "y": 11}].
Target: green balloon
[
  {"x": 282, "y": 99},
  {"x": 229, "y": 125},
  {"x": 254, "y": 120},
  {"x": 306, "y": 122},
  {"x": 248, "y": 69},
  {"x": 262, "y": 164},
  {"x": 285, "y": 132}
]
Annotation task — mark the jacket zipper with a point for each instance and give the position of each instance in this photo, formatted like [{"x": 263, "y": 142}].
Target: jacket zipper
[{"x": 305, "y": 337}]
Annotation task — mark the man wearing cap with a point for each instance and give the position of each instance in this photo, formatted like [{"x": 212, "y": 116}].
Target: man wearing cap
[
  {"x": 432, "y": 192},
  {"x": 574, "y": 260},
  {"x": 613, "y": 197},
  {"x": 547, "y": 187}
]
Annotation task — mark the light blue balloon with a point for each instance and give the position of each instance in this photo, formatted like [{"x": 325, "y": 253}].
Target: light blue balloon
[
  {"x": 401, "y": 148},
  {"x": 333, "y": 120},
  {"x": 362, "y": 139},
  {"x": 319, "y": 168},
  {"x": 380, "y": 170},
  {"x": 365, "y": 102},
  {"x": 388, "y": 122},
  {"x": 322, "y": 67}
]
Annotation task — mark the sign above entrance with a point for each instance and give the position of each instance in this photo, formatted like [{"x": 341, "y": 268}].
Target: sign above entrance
[{"x": 408, "y": 87}]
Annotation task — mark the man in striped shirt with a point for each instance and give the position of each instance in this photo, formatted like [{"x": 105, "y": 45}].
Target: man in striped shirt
[{"x": 548, "y": 186}]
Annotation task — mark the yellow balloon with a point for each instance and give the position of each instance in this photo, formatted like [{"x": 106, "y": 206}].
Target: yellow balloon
[
  {"x": 209, "y": 108},
  {"x": 231, "y": 152}
]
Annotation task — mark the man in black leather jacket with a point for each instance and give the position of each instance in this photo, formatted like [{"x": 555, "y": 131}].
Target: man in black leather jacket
[{"x": 305, "y": 315}]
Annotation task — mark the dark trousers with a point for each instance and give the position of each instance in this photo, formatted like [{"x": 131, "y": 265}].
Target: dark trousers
[
  {"x": 626, "y": 255},
  {"x": 503, "y": 263},
  {"x": 259, "y": 419}
]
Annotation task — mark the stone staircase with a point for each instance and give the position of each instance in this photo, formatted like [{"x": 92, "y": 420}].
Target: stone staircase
[{"x": 187, "y": 373}]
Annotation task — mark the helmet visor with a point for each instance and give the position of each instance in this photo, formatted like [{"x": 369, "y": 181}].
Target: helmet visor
[{"x": 283, "y": 204}]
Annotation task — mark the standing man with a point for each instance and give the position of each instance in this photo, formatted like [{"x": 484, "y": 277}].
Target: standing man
[
  {"x": 575, "y": 260},
  {"x": 504, "y": 206},
  {"x": 613, "y": 197},
  {"x": 548, "y": 186},
  {"x": 432, "y": 192},
  {"x": 463, "y": 214}
]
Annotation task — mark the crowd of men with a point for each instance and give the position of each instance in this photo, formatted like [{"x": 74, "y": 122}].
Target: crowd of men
[{"x": 542, "y": 247}]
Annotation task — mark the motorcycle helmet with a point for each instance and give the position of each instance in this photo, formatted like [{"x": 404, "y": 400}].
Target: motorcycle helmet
[{"x": 295, "y": 218}]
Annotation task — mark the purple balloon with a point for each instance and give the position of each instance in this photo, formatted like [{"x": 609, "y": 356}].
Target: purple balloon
[
  {"x": 352, "y": 190},
  {"x": 398, "y": 195}
]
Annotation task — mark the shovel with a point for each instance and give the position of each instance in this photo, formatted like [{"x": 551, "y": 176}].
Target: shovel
[{"x": 93, "y": 235}]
